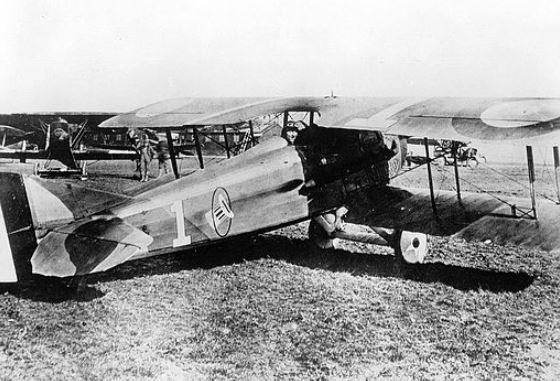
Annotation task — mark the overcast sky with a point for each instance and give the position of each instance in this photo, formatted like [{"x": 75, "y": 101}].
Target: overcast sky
[{"x": 121, "y": 55}]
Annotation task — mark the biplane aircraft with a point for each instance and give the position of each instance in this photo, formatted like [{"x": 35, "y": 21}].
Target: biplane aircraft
[
  {"x": 62, "y": 140},
  {"x": 11, "y": 136},
  {"x": 338, "y": 166}
]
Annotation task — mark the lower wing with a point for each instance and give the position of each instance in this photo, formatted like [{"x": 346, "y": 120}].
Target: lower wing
[{"x": 476, "y": 217}]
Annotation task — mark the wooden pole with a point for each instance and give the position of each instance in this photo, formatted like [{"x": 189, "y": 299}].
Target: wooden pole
[
  {"x": 430, "y": 179},
  {"x": 286, "y": 115},
  {"x": 198, "y": 148},
  {"x": 172, "y": 152},
  {"x": 556, "y": 166},
  {"x": 531, "y": 168},
  {"x": 311, "y": 114}
]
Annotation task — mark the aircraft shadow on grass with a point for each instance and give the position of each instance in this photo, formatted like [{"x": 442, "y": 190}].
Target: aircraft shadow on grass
[
  {"x": 382, "y": 265},
  {"x": 295, "y": 251}
]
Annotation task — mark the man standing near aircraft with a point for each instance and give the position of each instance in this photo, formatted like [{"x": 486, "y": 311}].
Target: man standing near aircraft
[
  {"x": 146, "y": 153},
  {"x": 163, "y": 155},
  {"x": 133, "y": 139}
]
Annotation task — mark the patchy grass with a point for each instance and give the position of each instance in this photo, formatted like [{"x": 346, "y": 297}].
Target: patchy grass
[{"x": 276, "y": 308}]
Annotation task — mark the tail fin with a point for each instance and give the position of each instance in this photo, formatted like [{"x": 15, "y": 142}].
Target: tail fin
[{"x": 17, "y": 234}]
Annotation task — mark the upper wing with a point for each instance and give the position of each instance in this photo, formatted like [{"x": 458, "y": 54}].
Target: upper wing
[
  {"x": 209, "y": 111},
  {"x": 465, "y": 118},
  {"x": 462, "y": 119}
]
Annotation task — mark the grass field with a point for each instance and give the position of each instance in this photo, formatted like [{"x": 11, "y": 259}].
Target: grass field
[{"x": 274, "y": 307}]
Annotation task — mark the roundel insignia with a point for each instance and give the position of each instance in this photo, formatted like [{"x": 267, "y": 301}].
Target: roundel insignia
[
  {"x": 521, "y": 113},
  {"x": 222, "y": 214}
]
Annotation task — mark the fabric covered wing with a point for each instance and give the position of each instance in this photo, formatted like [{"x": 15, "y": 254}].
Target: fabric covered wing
[
  {"x": 463, "y": 119},
  {"x": 477, "y": 217},
  {"x": 88, "y": 246},
  {"x": 208, "y": 111}
]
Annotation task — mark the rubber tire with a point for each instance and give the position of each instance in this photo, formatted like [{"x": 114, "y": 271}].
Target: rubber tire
[{"x": 318, "y": 237}]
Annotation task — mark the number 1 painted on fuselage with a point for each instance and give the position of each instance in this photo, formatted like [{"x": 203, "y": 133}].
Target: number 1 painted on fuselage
[{"x": 182, "y": 239}]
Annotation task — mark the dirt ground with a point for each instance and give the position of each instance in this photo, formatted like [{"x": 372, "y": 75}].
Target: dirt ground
[{"x": 275, "y": 307}]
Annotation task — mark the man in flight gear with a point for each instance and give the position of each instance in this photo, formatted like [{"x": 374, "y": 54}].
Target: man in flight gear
[{"x": 290, "y": 133}]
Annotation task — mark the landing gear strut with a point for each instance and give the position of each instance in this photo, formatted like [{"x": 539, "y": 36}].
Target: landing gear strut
[{"x": 326, "y": 230}]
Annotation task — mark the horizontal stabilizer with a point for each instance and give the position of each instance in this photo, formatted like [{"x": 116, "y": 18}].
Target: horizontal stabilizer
[{"x": 92, "y": 245}]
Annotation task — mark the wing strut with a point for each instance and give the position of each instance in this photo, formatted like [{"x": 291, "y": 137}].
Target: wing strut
[
  {"x": 198, "y": 148},
  {"x": 430, "y": 179},
  {"x": 531, "y": 167},
  {"x": 454, "y": 148},
  {"x": 172, "y": 152},
  {"x": 226, "y": 143},
  {"x": 78, "y": 137},
  {"x": 556, "y": 165},
  {"x": 252, "y": 131}
]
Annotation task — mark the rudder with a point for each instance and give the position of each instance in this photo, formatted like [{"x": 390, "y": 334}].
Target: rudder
[{"x": 17, "y": 234}]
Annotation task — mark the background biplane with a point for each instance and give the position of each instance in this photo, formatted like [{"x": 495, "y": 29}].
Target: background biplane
[
  {"x": 10, "y": 136},
  {"x": 445, "y": 152},
  {"x": 59, "y": 137},
  {"x": 72, "y": 139},
  {"x": 339, "y": 166}
]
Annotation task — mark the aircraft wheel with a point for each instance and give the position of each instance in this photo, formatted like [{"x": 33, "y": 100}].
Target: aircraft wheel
[
  {"x": 411, "y": 248},
  {"x": 472, "y": 163},
  {"x": 36, "y": 168},
  {"x": 319, "y": 237}
]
